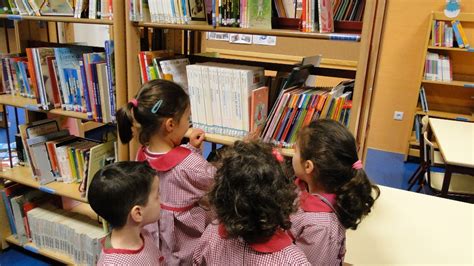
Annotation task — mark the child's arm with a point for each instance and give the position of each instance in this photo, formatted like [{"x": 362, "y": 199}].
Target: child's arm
[{"x": 196, "y": 138}]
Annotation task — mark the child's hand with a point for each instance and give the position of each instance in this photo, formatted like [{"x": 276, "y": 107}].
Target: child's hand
[
  {"x": 196, "y": 137},
  {"x": 254, "y": 135}
]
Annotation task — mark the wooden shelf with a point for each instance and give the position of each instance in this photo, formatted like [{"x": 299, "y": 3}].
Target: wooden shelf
[
  {"x": 458, "y": 83},
  {"x": 45, "y": 252},
  {"x": 28, "y": 103},
  {"x": 447, "y": 115},
  {"x": 228, "y": 140},
  {"x": 456, "y": 49},
  {"x": 58, "y": 19},
  {"x": 203, "y": 26},
  {"x": 23, "y": 175}
]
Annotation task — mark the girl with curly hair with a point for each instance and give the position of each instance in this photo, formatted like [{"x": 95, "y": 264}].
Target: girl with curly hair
[
  {"x": 335, "y": 192},
  {"x": 253, "y": 200}
]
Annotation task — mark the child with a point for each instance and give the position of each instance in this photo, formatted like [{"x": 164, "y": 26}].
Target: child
[
  {"x": 126, "y": 195},
  {"x": 253, "y": 200},
  {"x": 160, "y": 113},
  {"x": 335, "y": 191}
]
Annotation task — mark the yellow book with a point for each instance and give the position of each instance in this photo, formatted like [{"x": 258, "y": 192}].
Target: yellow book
[{"x": 462, "y": 33}]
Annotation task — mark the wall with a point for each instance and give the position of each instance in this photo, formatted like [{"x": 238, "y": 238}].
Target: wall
[{"x": 398, "y": 74}]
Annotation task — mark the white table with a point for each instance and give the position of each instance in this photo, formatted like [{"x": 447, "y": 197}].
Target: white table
[
  {"x": 456, "y": 143},
  {"x": 407, "y": 228}
]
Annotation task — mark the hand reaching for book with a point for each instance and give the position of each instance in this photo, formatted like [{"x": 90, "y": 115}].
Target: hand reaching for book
[{"x": 196, "y": 138}]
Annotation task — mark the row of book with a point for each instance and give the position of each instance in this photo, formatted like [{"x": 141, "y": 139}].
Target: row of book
[
  {"x": 442, "y": 35},
  {"x": 93, "y": 9},
  {"x": 317, "y": 16},
  {"x": 438, "y": 67},
  {"x": 348, "y": 10},
  {"x": 297, "y": 106},
  {"x": 38, "y": 217},
  {"x": 227, "y": 99},
  {"x": 163, "y": 64},
  {"x": 71, "y": 78},
  {"x": 55, "y": 155}
]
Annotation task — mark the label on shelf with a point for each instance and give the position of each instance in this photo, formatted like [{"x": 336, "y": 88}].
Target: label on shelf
[
  {"x": 14, "y": 17},
  {"x": 470, "y": 85},
  {"x": 30, "y": 248},
  {"x": 459, "y": 118},
  {"x": 33, "y": 107},
  {"x": 470, "y": 50},
  {"x": 47, "y": 190}
]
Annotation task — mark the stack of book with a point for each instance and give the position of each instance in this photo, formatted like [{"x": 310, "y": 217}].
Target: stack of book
[
  {"x": 54, "y": 155},
  {"x": 441, "y": 34},
  {"x": 297, "y": 106},
  {"x": 438, "y": 67},
  {"x": 71, "y": 78},
  {"x": 317, "y": 16},
  {"x": 93, "y": 9},
  {"x": 460, "y": 34}
]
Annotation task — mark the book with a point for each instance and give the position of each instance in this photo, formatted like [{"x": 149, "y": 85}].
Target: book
[
  {"x": 259, "y": 14},
  {"x": 99, "y": 156},
  {"x": 325, "y": 16},
  {"x": 57, "y": 8},
  {"x": 175, "y": 70}
]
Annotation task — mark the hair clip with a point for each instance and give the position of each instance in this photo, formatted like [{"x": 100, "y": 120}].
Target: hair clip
[
  {"x": 278, "y": 156},
  {"x": 156, "y": 107},
  {"x": 134, "y": 102},
  {"x": 357, "y": 165}
]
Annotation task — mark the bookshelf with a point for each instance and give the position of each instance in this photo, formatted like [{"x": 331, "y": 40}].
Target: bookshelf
[
  {"x": 364, "y": 46},
  {"x": 448, "y": 99},
  {"x": 26, "y": 29}
]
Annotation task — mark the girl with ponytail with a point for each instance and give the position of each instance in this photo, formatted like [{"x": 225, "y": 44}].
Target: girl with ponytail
[
  {"x": 335, "y": 192},
  {"x": 159, "y": 117}
]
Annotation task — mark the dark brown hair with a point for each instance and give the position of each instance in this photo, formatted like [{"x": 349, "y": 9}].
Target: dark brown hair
[
  {"x": 174, "y": 103},
  {"x": 332, "y": 149},
  {"x": 252, "y": 196},
  {"x": 116, "y": 188}
]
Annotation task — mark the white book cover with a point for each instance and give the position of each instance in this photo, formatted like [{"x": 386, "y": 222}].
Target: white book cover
[
  {"x": 175, "y": 70},
  {"x": 225, "y": 89},
  {"x": 251, "y": 78},
  {"x": 92, "y": 9},
  {"x": 207, "y": 98},
  {"x": 216, "y": 99},
  {"x": 192, "y": 90}
]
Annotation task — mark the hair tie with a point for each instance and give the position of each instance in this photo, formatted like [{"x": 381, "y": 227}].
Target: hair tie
[
  {"x": 278, "y": 156},
  {"x": 156, "y": 107},
  {"x": 134, "y": 102},
  {"x": 357, "y": 165}
]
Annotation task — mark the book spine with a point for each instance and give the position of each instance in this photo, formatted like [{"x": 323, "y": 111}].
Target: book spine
[
  {"x": 110, "y": 60},
  {"x": 95, "y": 84},
  {"x": 86, "y": 91}
]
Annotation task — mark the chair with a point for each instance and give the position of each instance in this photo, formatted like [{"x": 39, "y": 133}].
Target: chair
[{"x": 460, "y": 185}]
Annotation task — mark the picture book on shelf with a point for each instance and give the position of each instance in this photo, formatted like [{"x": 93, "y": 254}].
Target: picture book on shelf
[
  {"x": 259, "y": 14},
  {"x": 57, "y": 8}
]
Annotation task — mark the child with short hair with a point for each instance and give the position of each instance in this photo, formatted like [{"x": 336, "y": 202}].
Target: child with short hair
[
  {"x": 125, "y": 194},
  {"x": 335, "y": 191},
  {"x": 253, "y": 200},
  {"x": 160, "y": 113}
]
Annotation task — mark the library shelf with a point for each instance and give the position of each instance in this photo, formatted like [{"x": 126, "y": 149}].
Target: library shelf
[
  {"x": 447, "y": 115},
  {"x": 30, "y": 104},
  {"x": 58, "y": 19},
  {"x": 228, "y": 140},
  {"x": 23, "y": 175},
  {"x": 45, "y": 252},
  {"x": 457, "y": 83},
  {"x": 203, "y": 26},
  {"x": 455, "y": 49}
]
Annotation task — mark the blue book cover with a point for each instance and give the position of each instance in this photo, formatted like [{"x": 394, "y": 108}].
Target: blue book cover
[
  {"x": 69, "y": 57},
  {"x": 86, "y": 91},
  {"x": 70, "y": 87},
  {"x": 25, "y": 78},
  {"x": 110, "y": 60},
  {"x": 9, "y": 212}
]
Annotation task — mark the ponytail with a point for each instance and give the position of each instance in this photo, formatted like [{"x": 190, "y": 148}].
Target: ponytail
[
  {"x": 125, "y": 123},
  {"x": 355, "y": 199}
]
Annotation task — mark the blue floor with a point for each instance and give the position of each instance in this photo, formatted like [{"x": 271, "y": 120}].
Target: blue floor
[{"x": 16, "y": 256}]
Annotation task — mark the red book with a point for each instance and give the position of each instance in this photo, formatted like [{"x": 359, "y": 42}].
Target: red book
[
  {"x": 54, "y": 82},
  {"x": 31, "y": 70}
]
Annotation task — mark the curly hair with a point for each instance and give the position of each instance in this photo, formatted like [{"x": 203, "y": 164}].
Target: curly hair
[
  {"x": 332, "y": 149},
  {"x": 252, "y": 196},
  {"x": 175, "y": 101}
]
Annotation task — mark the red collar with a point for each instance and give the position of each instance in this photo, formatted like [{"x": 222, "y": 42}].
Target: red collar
[
  {"x": 110, "y": 250},
  {"x": 312, "y": 203},
  {"x": 164, "y": 162},
  {"x": 277, "y": 242}
]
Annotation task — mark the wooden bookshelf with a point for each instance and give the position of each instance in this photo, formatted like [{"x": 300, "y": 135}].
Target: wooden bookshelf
[
  {"x": 30, "y": 104},
  {"x": 23, "y": 175},
  {"x": 45, "y": 252},
  {"x": 456, "y": 83},
  {"x": 203, "y": 26},
  {"x": 447, "y": 115},
  {"x": 455, "y": 49},
  {"x": 58, "y": 19}
]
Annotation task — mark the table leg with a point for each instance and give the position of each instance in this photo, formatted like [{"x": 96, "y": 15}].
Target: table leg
[{"x": 446, "y": 180}]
